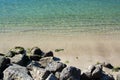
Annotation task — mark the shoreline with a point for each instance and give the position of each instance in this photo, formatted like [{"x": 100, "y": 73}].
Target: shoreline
[
  {"x": 87, "y": 47},
  {"x": 80, "y": 50}
]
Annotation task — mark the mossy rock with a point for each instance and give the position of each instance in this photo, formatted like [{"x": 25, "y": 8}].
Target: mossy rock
[
  {"x": 116, "y": 69},
  {"x": 58, "y": 50},
  {"x": 17, "y": 50}
]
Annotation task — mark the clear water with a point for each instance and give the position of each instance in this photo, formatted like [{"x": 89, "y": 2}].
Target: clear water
[{"x": 56, "y": 15}]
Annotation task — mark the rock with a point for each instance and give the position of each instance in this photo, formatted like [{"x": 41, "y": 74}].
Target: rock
[
  {"x": 10, "y": 54},
  {"x": 107, "y": 65},
  {"x": 51, "y": 77},
  {"x": 97, "y": 73},
  {"x": 91, "y": 68},
  {"x": 57, "y": 74},
  {"x": 36, "y": 54},
  {"x": 17, "y": 50},
  {"x": 35, "y": 57},
  {"x": 86, "y": 75},
  {"x": 20, "y": 59},
  {"x": 33, "y": 64},
  {"x": 70, "y": 73},
  {"x": 16, "y": 59},
  {"x": 118, "y": 77},
  {"x": 39, "y": 73},
  {"x": 36, "y": 51},
  {"x": 49, "y": 54},
  {"x": 107, "y": 77},
  {"x": 44, "y": 61},
  {"x": 16, "y": 72},
  {"x": 2, "y": 54},
  {"x": 4, "y": 63},
  {"x": 55, "y": 66},
  {"x": 100, "y": 66}
]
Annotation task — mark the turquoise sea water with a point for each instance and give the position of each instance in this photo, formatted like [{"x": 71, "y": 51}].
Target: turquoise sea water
[{"x": 59, "y": 15}]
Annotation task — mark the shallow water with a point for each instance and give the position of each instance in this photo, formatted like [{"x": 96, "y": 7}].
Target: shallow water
[{"x": 60, "y": 15}]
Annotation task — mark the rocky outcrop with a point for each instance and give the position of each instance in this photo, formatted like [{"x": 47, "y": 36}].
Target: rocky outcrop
[
  {"x": 95, "y": 72},
  {"x": 19, "y": 64},
  {"x": 45, "y": 61},
  {"x": 39, "y": 73},
  {"x": 15, "y": 50},
  {"x": 16, "y": 72},
  {"x": 20, "y": 59},
  {"x": 70, "y": 73},
  {"x": 55, "y": 66}
]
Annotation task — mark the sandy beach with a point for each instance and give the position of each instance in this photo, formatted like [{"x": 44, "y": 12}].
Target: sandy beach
[{"x": 79, "y": 50}]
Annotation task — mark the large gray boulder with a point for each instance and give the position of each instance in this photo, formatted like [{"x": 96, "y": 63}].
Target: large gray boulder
[
  {"x": 91, "y": 68},
  {"x": 16, "y": 72},
  {"x": 57, "y": 74},
  {"x": 86, "y": 75},
  {"x": 37, "y": 72},
  {"x": 107, "y": 77},
  {"x": 55, "y": 66},
  {"x": 20, "y": 59},
  {"x": 97, "y": 73},
  {"x": 70, "y": 73},
  {"x": 4, "y": 63},
  {"x": 51, "y": 77},
  {"x": 45, "y": 61}
]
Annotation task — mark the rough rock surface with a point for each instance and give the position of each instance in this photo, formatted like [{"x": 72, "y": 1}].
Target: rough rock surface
[
  {"x": 70, "y": 73},
  {"x": 107, "y": 77},
  {"x": 16, "y": 50},
  {"x": 20, "y": 59},
  {"x": 39, "y": 73},
  {"x": 97, "y": 73},
  {"x": 4, "y": 63},
  {"x": 55, "y": 66},
  {"x": 34, "y": 64},
  {"x": 16, "y": 72},
  {"x": 45, "y": 61},
  {"x": 51, "y": 77}
]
